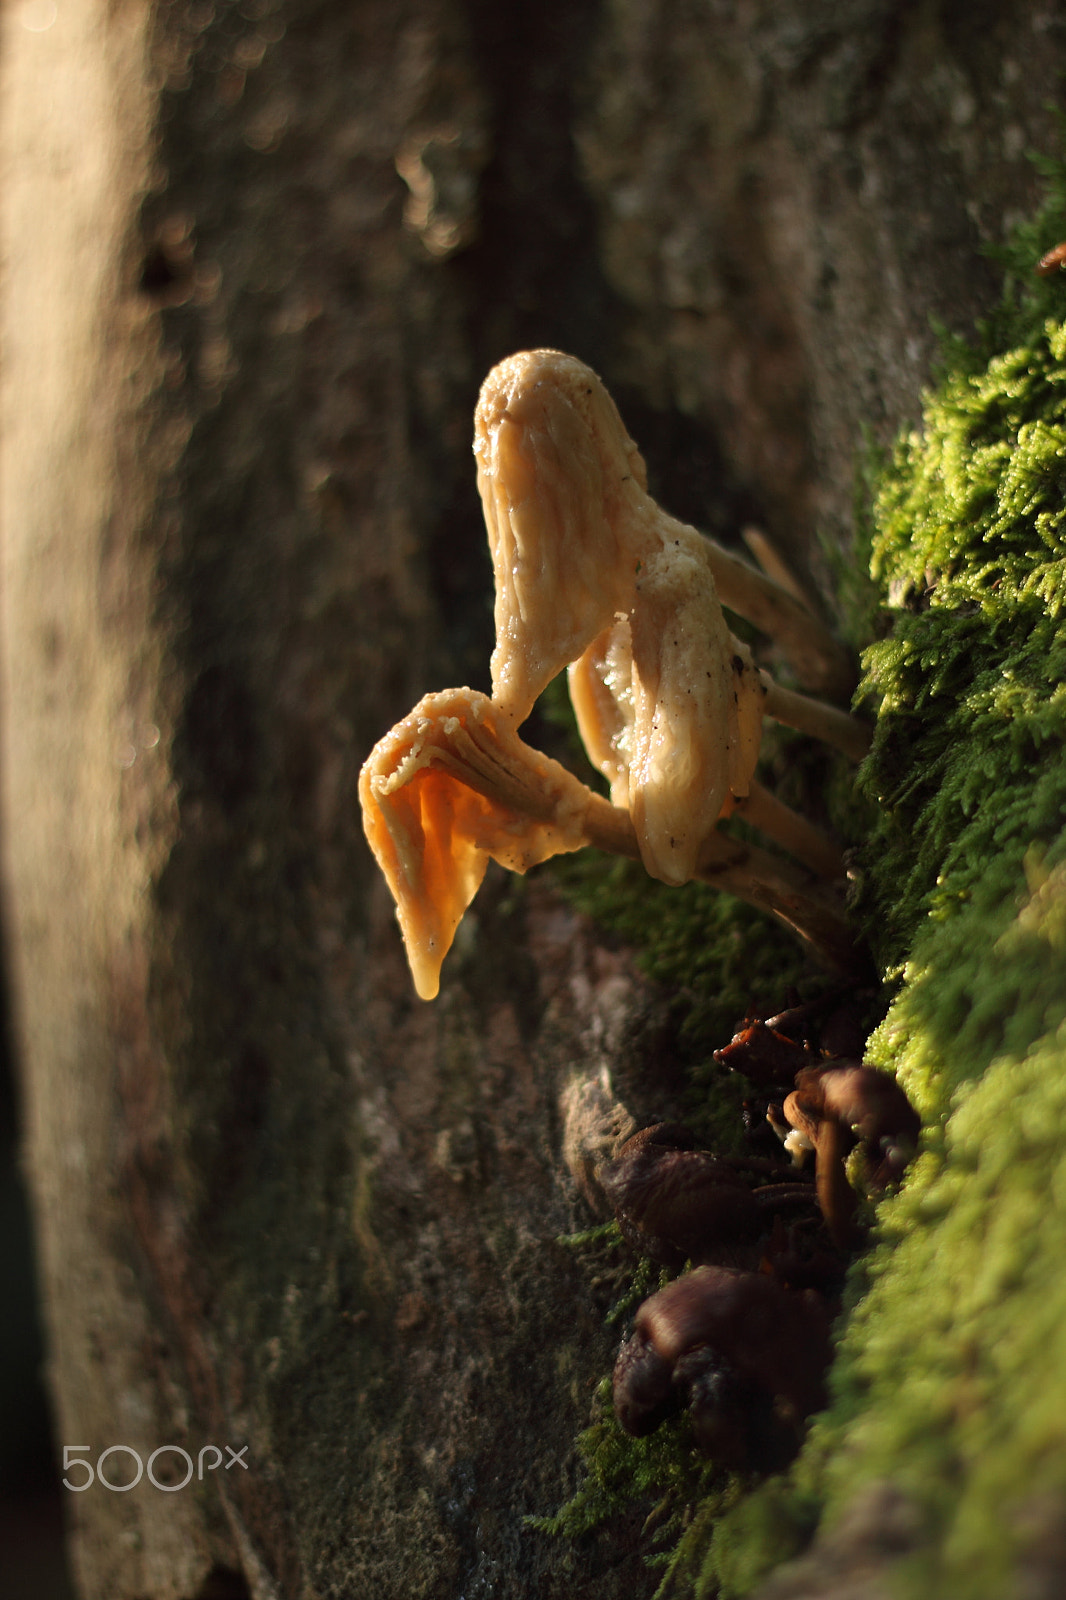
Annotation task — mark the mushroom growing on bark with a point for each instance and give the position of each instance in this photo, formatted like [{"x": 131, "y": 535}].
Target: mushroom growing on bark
[
  {"x": 728, "y": 1343},
  {"x": 674, "y": 1201},
  {"x": 593, "y": 575},
  {"x": 453, "y": 786},
  {"x": 832, "y": 1106}
]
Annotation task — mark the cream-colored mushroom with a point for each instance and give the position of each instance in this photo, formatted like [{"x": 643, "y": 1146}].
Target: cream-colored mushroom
[
  {"x": 449, "y": 787},
  {"x": 592, "y": 574},
  {"x": 669, "y": 707},
  {"x": 569, "y": 519},
  {"x": 453, "y": 785},
  {"x": 563, "y": 489}
]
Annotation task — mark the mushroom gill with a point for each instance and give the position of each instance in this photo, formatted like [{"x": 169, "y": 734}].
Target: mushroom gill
[
  {"x": 669, "y": 708},
  {"x": 446, "y": 789}
]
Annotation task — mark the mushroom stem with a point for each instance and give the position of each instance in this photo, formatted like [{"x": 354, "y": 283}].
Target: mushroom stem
[
  {"x": 831, "y": 1141},
  {"x": 819, "y": 659},
  {"x": 802, "y": 902},
  {"x": 774, "y": 565},
  {"x": 835, "y": 1194},
  {"x": 838, "y": 728},
  {"x": 806, "y": 842}
]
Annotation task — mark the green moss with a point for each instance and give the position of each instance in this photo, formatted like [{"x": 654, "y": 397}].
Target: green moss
[
  {"x": 769, "y": 1525},
  {"x": 950, "y": 1380},
  {"x": 722, "y": 954},
  {"x": 951, "y": 1377},
  {"x": 969, "y": 685},
  {"x": 663, "y": 1470}
]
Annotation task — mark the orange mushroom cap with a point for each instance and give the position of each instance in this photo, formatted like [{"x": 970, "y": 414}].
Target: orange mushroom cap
[{"x": 446, "y": 789}]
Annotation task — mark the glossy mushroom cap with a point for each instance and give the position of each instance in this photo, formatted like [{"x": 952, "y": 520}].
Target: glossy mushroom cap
[
  {"x": 777, "y": 1339},
  {"x": 873, "y": 1105}
]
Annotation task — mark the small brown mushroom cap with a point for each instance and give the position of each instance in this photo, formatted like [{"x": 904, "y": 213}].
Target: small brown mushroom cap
[
  {"x": 871, "y": 1103},
  {"x": 449, "y": 787},
  {"x": 778, "y": 1339},
  {"x": 769, "y": 1058}
]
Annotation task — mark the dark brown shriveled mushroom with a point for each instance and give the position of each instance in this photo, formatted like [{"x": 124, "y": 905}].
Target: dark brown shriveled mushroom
[
  {"x": 744, "y": 1355},
  {"x": 777, "y": 1339},
  {"x": 676, "y": 1203}
]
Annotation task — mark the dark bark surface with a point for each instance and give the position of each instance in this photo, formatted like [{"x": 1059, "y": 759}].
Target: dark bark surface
[{"x": 259, "y": 258}]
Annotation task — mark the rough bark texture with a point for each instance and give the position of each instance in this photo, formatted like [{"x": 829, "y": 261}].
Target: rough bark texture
[{"x": 279, "y": 1201}]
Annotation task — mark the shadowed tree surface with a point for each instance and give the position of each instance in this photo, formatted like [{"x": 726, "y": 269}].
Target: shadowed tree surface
[{"x": 258, "y": 258}]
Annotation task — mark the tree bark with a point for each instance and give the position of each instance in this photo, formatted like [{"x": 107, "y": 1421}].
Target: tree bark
[{"x": 259, "y": 257}]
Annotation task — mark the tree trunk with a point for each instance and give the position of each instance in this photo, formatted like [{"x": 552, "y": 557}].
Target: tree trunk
[{"x": 259, "y": 257}]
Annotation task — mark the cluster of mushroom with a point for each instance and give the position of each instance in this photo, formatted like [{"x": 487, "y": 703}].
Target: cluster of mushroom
[
  {"x": 741, "y": 1342},
  {"x": 591, "y": 574}
]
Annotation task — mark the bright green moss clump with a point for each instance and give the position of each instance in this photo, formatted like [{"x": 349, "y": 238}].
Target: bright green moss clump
[
  {"x": 950, "y": 1381},
  {"x": 969, "y": 686}
]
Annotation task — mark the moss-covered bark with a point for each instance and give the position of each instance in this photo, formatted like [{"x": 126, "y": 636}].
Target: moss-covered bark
[{"x": 258, "y": 258}]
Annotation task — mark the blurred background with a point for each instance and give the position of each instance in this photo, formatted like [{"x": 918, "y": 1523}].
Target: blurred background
[{"x": 33, "y": 1561}]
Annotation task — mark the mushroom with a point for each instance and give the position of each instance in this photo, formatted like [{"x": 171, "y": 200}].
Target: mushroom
[
  {"x": 569, "y": 518},
  {"x": 770, "y": 1341},
  {"x": 763, "y": 1054},
  {"x": 563, "y": 487},
  {"x": 449, "y": 787},
  {"x": 675, "y": 1202},
  {"x": 452, "y": 785},
  {"x": 592, "y": 574},
  {"x": 669, "y": 707},
  {"x": 831, "y": 1141},
  {"x": 831, "y": 1106},
  {"x": 733, "y": 1421},
  {"x": 643, "y": 1385},
  {"x": 778, "y": 1339},
  {"x": 873, "y": 1105}
]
